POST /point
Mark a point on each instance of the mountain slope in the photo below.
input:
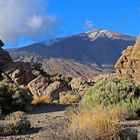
(97, 48)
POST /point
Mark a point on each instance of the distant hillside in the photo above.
(96, 50)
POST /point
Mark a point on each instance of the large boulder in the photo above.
(38, 85)
(47, 86)
(128, 65)
(79, 85)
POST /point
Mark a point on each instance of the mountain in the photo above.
(90, 52)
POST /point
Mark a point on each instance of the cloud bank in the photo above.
(26, 18)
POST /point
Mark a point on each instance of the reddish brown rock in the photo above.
(128, 65)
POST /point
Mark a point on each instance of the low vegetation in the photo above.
(105, 105)
(113, 92)
(37, 100)
(64, 99)
(13, 98)
(69, 98)
(98, 117)
(97, 123)
(15, 123)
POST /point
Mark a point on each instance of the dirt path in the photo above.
(45, 123)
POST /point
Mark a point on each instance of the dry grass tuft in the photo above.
(41, 100)
(97, 123)
(69, 99)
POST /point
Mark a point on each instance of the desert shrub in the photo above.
(113, 92)
(93, 124)
(15, 123)
(44, 99)
(13, 98)
(68, 98)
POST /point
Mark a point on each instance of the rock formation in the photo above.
(19, 72)
(128, 65)
(79, 85)
(53, 85)
(36, 80)
(45, 86)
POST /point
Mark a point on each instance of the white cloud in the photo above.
(35, 22)
(27, 18)
(88, 25)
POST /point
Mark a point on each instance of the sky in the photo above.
(30, 21)
(118, 15)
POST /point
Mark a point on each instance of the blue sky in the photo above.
(118, 15)
(74, 16)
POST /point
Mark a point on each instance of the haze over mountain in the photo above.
(83, 54)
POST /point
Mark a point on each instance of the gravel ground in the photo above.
(46, 123)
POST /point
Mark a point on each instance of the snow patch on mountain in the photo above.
(98, 33)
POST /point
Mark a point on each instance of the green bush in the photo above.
(113, 92)
(13, 98)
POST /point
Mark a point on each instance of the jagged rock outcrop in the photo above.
(128, 65)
